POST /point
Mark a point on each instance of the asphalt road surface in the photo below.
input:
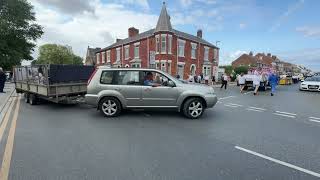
(242, 137)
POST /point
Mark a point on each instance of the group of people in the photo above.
(3, 78)
(256, 81)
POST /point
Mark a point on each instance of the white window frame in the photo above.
(98, 58)
(118, 54)
(163, 42)
(127, 66)
(103, 57)
(136, 46)
(169, 44)
(163, 66)
(136, 65)
(108, 56)
(157, 44)
(126, 52)
(205, 69)
(181, 43)
(206, 53)
(215, 52)
(193, 50)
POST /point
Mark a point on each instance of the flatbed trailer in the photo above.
(55, 83)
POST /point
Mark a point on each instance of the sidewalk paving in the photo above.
(8, 89)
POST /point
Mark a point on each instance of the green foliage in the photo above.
(18, 32)
(227, 69)
(57, 54)
(241, 69)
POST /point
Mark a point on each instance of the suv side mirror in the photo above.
(171, 84)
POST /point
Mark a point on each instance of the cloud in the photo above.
(228, 57)
(142, 3)
(291, 9)
(187, 3)
(309, 57)
(67, 6)
(242, 25)
(309, 31)
(98, 28)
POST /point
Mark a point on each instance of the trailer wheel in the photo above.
(26, 97)
(32, 99)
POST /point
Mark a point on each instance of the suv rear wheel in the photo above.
(110, 107)
(193, 108)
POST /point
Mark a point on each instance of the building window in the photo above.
(169, 44)
(108, 56)
(136, 50)
(127, 65)
(118, 54)
(215, 51)
(181, 44)
(126, 52)
(193, 50)
(136, 65)
(157, 44)
(206, 53)
(103, 57)
(193, 69)
(163, 43)
(206, 70)
(98, 58)
(163, 67)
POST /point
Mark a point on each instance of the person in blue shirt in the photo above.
(148, 80)
(273, 80)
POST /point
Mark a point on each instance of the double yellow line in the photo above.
(5, 165)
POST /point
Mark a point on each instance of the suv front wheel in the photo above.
(110, 107)
(193, 108)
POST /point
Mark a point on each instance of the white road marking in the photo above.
(281, 112)
(257, 110)
(251, 107)
(227, 97)
(278, 161)
(231, 106)
(285, 115)
(248, 92)
(314, 120)
(235, 104)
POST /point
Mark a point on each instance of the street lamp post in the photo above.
(217, 43)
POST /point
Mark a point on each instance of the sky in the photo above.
(289, 29)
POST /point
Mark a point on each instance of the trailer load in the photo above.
(56, 83)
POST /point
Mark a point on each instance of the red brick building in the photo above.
(162, 48)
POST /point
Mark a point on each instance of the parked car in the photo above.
(111, 90)
(311, 84)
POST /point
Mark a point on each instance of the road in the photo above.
(242, 137)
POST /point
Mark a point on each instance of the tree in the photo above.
(57, 54)
(241, 69)
(227, 69)
(18, 32)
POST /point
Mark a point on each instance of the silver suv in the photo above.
(111, 90)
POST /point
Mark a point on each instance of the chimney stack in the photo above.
(133, 32)
(251, 53)
(269, 54)
(199, 33)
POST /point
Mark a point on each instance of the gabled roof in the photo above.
(251, 59)
(193, 38)
(164, 23)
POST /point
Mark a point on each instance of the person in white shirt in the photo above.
(242, 81)
(224, 80)
(256, 83)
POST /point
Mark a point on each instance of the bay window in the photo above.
(181, 44)
(163, 44)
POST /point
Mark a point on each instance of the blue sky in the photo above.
(289, 29)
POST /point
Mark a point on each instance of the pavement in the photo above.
(242, 137)
(4, 97)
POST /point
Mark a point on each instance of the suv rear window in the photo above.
(106, 77)
(127, 78)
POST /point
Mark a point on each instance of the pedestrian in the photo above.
(256, 83)
(190, 79)
(3, 78)
(195, 78)
(199, 78)
(241, 81)
(273, 80)
(213, 79)
(206, 80)
(224, 80)
(178, 76)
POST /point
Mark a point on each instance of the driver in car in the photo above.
(148, 80)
